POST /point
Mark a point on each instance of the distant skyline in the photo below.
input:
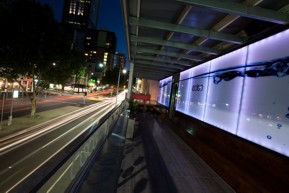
(110, 18)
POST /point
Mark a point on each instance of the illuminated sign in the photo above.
(15, 93)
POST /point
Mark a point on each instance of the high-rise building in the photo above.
(98, 46)
(119, 60)
(106, 44)
(81, 13)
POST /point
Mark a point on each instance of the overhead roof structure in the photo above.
(165, 37)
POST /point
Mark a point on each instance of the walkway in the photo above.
(158, 161)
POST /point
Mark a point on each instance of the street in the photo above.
(25, 152)
(22, 105)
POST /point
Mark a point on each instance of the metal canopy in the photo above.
(165, 37)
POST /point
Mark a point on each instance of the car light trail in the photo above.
(12, 141)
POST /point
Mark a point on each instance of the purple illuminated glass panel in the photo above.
(165, 87)
(266, 92)
(198, 90)
(225, 90)
(247, 92)
(183, 91)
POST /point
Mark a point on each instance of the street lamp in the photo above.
(123, 71)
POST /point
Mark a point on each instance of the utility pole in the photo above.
(2, 112)
(117, 86)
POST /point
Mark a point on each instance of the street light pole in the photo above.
(117, 86)
(85, 88)
(2, 112)
(2, 109)
(11, 110)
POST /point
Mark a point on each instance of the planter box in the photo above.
(130, 128)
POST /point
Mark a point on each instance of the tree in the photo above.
(111, 78)
(67, 61)
(31, 43)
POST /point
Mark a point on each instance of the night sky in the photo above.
(110, 18)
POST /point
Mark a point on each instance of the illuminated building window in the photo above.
(81, 8)
(72, 8)
(75, 23)
(88, 38)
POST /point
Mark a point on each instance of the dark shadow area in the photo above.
(140, 185)
(138, 161)
(127, 172)
(131, 176)
(129, 149)
(160, 179)
(138, 143)
(104, 171)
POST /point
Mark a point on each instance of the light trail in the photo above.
(101, 112)
(10, 142)
(26, 164)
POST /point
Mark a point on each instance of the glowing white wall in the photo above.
(192, 92)
(165, 87)
(184, 91)
(266, 94)
(225, 90)
(198, 92)
(245, 92)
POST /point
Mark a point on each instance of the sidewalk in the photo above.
(158, 161)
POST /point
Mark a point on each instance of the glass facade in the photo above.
(244, 92)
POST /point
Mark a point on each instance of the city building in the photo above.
(99, 50)
(119, 60)
(98, 46)
(81, 13)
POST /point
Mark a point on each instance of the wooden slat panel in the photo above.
(245, 166)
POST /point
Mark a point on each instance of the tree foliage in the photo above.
(31, 42)
(111, 78)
